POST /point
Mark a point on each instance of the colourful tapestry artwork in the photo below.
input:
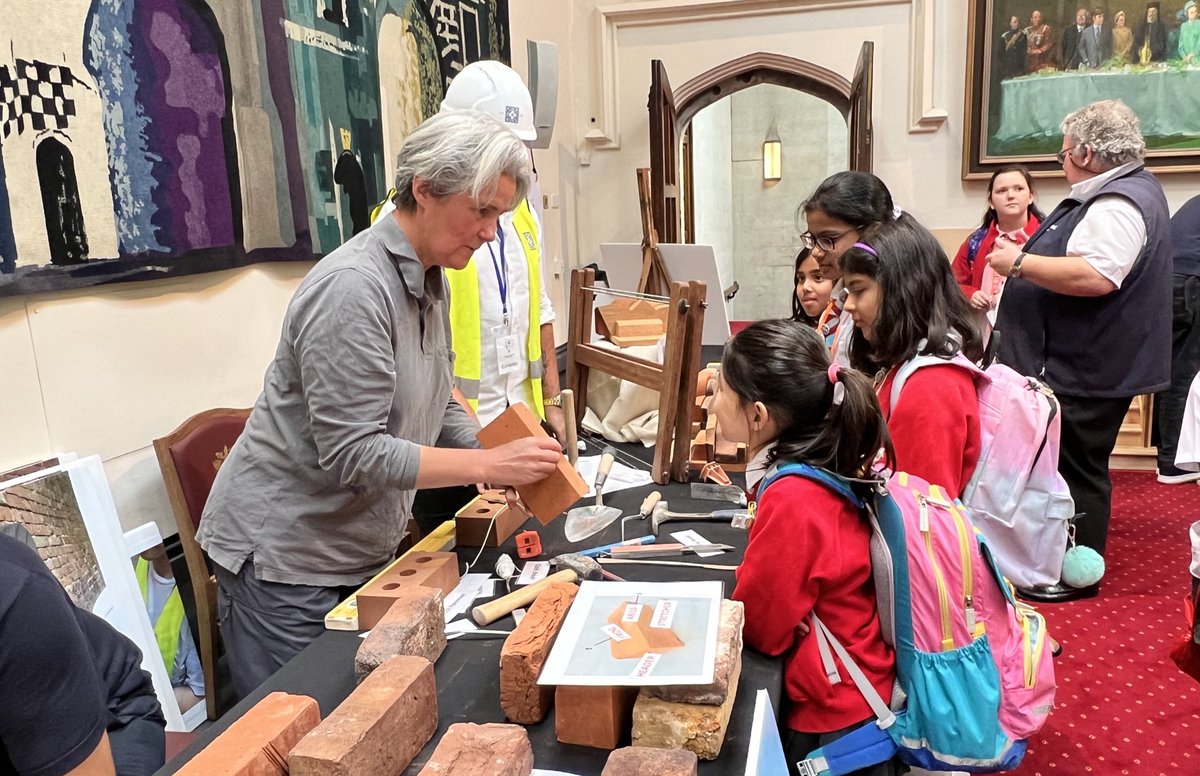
(148, 138)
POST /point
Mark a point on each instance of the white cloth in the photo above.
(1187, 451)
(497, 391)
(1112, 233)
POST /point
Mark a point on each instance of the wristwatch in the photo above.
(1015, 270)
(553, 401)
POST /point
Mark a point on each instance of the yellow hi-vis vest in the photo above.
(166, 630)
(465, 325)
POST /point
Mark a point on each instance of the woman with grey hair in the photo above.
(356, 411)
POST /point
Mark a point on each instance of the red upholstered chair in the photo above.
(189, 458)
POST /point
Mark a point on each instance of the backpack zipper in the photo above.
(943, 595)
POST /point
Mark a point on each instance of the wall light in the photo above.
(772, 156)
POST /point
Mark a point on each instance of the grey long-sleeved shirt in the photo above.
(318, 490)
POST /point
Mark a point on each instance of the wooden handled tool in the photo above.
(488, 613)
(572, 440)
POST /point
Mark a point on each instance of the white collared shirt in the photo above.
(1112, 233)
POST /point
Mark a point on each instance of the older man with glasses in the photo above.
(1087, 306)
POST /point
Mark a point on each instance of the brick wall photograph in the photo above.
(47, 508)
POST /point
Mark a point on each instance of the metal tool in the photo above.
(596, 552)
(707, 491)
(664, 550)
(583, 522)
(644, 510)
(738, 518)
(653, 562)
(576, 568)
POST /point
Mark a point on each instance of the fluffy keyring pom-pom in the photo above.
(1082, 566)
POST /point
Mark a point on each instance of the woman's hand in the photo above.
(981, 301)
(523, 461)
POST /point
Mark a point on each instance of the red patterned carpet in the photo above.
(1122, 706)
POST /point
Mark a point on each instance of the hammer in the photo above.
(662, 514)
(575, 568)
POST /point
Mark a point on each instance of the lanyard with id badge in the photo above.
(508, 354)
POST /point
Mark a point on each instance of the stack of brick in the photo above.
(475, 750)
(414, 625)
(259, 742)
(695, 717)
(525, 652)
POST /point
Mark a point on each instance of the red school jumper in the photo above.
(809, 550)
(970, 278)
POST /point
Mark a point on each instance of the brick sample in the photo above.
(525, 652)
(414, 625)
(547, 498)
(378, 729)
(258, 744)
(642, 637)
(438, 570)
(593, 716)
(650, 761)
(729, 649)
(697, 727)
(471, 523)
(475, 750)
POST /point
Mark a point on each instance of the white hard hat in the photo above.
(496, 89)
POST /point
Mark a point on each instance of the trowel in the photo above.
(583, 522)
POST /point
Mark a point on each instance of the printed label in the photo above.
(646, 665)
(691, 539)
(664, 614)
(615, 632)
(632, 613)
(533, 571)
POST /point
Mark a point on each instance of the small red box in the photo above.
(529, 544)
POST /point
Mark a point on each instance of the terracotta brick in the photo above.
(547, 498)
(593, 716)
(481, 750)
(259, 742)
(729, 648)
(650, 761)
(525, 652)
(438, 570)
(378, 729)
(414, 625)
(697, 727)
(471, 523)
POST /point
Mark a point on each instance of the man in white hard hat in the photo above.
(501, 318)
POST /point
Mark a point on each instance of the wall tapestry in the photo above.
(149, 138)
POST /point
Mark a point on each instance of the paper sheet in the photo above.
(691, 539)
(620, 477)
(470, 587)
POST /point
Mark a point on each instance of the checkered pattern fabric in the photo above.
(33, 95)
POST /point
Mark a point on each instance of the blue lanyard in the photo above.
(501, 268)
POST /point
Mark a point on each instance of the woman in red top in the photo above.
(904, 303)
(1011, 212)
(809, 549)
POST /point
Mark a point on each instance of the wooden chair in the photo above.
(189, 458)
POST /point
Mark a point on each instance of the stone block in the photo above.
(481, 750)
(650, 761)
(729, 650)
(378, 729)
(593, 716)
(525, 652)
(697, 727)
(547, 498)
(414, 625)
(472, 522)
(438, 570)
(258, 744)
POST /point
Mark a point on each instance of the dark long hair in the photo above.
(858, 198)
(989, 215)
(798, 313)
(921, 300)
(785, 365)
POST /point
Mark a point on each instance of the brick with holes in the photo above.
(438, 570)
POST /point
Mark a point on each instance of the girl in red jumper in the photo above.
(809, 547)
(904, 302)
(1011, 212)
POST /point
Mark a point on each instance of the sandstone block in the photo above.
(696, 727)
(729, 650)
(525, 652)
(258, 744)
(438, 570)
(414, 625)
(650, 761)
(593, 716)
(478, 750)
(378, 729)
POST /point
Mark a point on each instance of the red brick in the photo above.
(473, 522)
(378, 729)
(525, 651)
(593, 716)
(259, 742)
(651, 761)
(414, 625)
(547, 498)
(438, 570)
(481, 750)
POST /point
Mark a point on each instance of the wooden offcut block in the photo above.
(468, 749)
(378, 729)
(472, 522)
(547, 498)
(593, 716)
(525, 652)
(438, 570)
(622, 309)
(638, 327)
(634, 341)
(259, 742)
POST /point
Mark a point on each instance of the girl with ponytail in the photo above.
(809, 548)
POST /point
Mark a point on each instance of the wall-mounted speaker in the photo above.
(543, 87)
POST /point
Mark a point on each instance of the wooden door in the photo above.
(860, 110)
(664, 159)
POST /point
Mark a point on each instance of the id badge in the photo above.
(508, 350)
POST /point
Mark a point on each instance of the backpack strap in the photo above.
(916, 362)
(973, 243)
(837, 484)
(826, 642)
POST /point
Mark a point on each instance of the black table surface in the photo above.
(467, 673)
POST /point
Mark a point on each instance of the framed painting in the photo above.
(1032, 62)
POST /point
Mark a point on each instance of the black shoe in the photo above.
(1058, 593)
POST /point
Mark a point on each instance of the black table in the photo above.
(467, 673)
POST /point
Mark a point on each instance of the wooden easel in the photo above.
(655, 279)
(674, 379)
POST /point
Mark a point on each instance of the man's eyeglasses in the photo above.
(825, 242)
(1061, 156)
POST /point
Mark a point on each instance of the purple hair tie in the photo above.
(866, 248)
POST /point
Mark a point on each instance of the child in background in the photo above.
(808, 551)
(903, 300)
(813, 290)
